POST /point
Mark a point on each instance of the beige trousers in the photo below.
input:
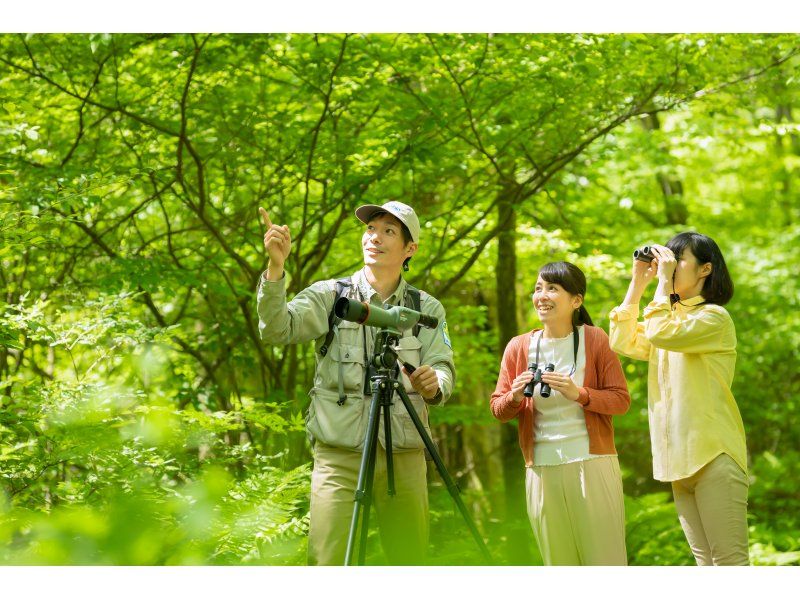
(577, 512)
(712, 508)
(402, 518)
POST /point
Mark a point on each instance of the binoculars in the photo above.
(533, 368)
(644, 254)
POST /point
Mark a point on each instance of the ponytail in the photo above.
(570, 277)
(581, 316)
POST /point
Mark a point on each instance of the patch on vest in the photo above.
(445, 336)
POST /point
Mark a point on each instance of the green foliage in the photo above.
(142, 420)
(653, 535)
(775, 530)
(98, 474)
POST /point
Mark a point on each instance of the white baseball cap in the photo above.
(399, 210)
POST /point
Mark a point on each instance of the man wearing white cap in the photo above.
(340, 398)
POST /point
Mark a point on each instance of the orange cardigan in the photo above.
(604, 392)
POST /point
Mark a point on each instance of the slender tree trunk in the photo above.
(514, 516)
(4, 368)
(783, 113)
(675, 210)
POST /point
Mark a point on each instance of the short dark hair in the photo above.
(718, 286)
(573, 280)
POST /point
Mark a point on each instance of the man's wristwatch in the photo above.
(437, 398)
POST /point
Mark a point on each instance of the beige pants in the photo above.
(402, 518)
(577, 512)
(712, 508)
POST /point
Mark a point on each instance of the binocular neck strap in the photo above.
(576, 341)
(538, 345)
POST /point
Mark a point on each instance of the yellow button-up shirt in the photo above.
(691, 350)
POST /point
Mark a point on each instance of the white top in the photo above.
(560, 434)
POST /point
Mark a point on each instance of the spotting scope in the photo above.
(396, 316)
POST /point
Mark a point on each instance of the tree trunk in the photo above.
(675, 210)
(513, 503)
(783, 113)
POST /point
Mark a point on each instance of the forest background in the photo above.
(143, 422)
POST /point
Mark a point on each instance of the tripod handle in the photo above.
(428, 321)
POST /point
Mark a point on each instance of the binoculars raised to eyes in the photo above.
(644, 254)
(533, 368)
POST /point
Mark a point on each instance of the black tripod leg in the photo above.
(363, 490)
(387, 434)
(452, 487)
(368, 492)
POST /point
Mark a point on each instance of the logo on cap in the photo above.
(404, 213)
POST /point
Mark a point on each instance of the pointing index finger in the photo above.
(265, 217)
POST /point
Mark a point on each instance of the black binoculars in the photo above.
(533, 368)
(644, 254)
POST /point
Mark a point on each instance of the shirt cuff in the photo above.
(281, 281)
(656, 305)
(624, 312)
(583, 396)
(436, 399)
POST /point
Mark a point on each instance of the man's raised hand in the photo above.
(278, 244)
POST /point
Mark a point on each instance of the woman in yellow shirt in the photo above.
(696, 431)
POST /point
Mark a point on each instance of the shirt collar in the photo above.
(366, 291)
(692, 301)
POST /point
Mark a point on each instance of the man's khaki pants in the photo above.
(402, 518)
(712, 508)
(577, 512)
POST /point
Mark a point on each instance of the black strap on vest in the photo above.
(416, 303)
(343, 286)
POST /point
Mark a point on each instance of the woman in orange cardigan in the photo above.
(573, 482)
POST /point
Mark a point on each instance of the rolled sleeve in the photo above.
(627, 335)
(502, 401)
(302, 319)
(707, 330)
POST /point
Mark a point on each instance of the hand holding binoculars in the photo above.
(644, 254)
(533, 368)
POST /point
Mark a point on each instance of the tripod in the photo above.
(384, 384)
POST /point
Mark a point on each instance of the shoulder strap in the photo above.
(342, 288)
(413, 296)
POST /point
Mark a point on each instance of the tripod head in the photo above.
(384, 355)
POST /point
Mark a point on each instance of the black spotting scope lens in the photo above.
(351, 310)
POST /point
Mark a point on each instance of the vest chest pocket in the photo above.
(350, 333)
(351, 358)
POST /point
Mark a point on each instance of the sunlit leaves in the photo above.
(142, 419)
